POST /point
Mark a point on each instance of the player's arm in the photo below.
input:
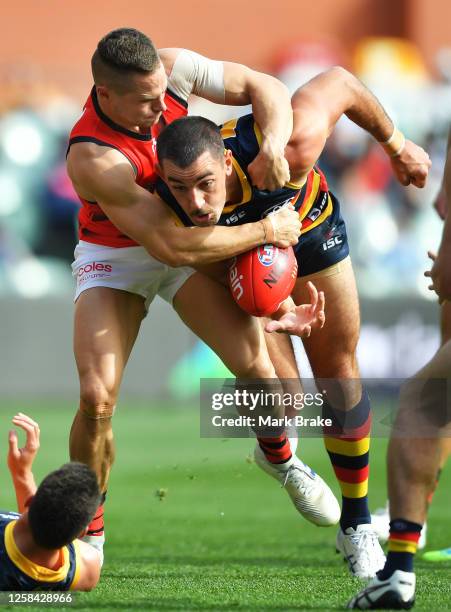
(441, 201)
(319, 104)
(440, 274)
(238, 85)
(103, 175)
(20, 460)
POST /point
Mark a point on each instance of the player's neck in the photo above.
(51, 559)
(234, 190)
(117, 120)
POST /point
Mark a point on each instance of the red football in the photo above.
(261, 279)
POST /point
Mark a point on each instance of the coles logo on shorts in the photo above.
(267, 254)
(94, 268)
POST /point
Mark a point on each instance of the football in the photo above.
(261, 279)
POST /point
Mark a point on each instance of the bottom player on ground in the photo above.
(39, 549)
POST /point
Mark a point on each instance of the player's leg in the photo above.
(413, 459)
(381, 518)
(237, 338)
(107, 322)
(332, 356)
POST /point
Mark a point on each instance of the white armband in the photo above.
(194, 73)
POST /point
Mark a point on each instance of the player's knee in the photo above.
(340, 361)
(96, 400)
(258, 367)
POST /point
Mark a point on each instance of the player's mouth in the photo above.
(203, 219)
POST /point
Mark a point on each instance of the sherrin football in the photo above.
(261, 279)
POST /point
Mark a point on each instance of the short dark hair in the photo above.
(64, 505)
(120, 54)
(185, 139)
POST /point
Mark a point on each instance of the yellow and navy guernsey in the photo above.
(323, 241)
(17, 573)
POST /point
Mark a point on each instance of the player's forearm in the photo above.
(197, 246)
(364, 109)
(271, 106)
(25, 487)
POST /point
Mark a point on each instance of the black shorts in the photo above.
(323, 246)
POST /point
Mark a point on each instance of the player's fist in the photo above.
(283, 227)
(412, 165)
(269, 170)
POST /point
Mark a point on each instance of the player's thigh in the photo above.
(331, 350)
(445, 322)
(425, 399)
(106, 324)
(210, 312)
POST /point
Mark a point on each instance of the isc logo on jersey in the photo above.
(267, 254)
(236, 217)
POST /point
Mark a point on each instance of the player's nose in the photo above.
(159, 105)
(197, 200)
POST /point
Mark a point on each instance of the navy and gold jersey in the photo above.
(242, 136)
(17, 573)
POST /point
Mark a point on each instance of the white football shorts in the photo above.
(131, 269)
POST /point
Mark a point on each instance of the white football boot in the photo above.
(361, 549)
(394, 593)
(380, 521)
(308, 491)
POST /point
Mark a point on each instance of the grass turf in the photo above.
(192, 524)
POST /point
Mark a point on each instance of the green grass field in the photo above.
(220, 535)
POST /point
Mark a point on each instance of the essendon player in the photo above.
(213, 170)
(111, 162)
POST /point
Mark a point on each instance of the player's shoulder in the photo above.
(89, 566)
(7, 516)
(242, 136)
(168, 57)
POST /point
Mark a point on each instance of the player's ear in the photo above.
(228, 161)
(102, 92)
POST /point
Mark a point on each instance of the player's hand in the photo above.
(440, 273)
(302, 319)
(412, 165)
(286, 226)
(440, 203)
(269, 170)
(20, 460)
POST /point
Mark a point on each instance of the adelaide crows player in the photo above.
(207, 183)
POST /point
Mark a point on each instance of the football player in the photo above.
(128, 241)
(207, 182)
(417, 449)
(39, 549)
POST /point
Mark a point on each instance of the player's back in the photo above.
(18, 573)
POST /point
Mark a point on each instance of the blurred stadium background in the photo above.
(198, 549)
(401, 49)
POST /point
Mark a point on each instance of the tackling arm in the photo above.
(105, 176)
(238, 85)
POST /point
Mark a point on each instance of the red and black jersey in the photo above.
(140, 150)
